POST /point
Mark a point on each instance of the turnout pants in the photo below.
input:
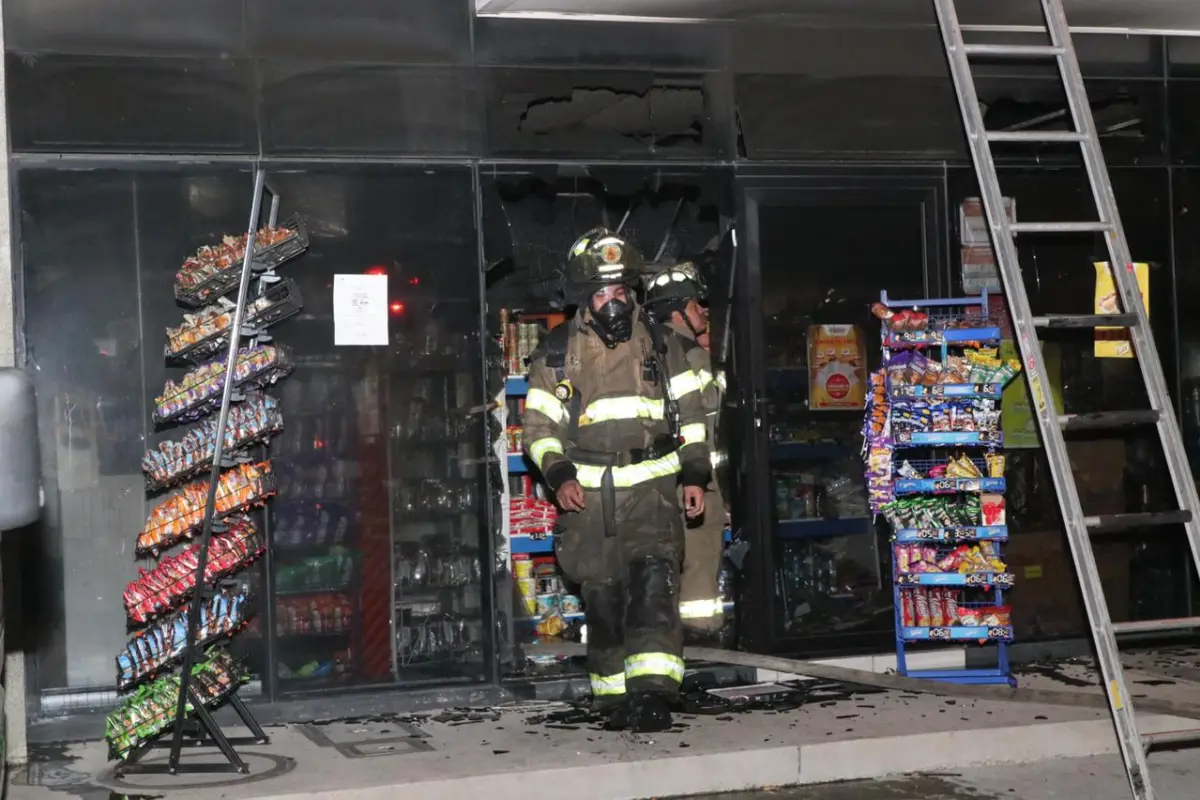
(629, 576)
(700, 603)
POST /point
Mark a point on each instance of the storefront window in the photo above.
(377, 525)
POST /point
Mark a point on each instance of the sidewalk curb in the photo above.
(779, 766)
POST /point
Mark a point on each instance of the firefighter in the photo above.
(615, 422)
(675, 296)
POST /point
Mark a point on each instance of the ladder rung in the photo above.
(1168, 738)
(1107, 420)
(1105, 523)
(1156, 625)
(1060, 227)
(1015, 50)
(1035, 137)
(1086, 321)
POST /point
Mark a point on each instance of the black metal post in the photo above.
(189, 653)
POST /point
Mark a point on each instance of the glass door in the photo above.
(816, 260)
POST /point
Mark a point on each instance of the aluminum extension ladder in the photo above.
(1079, 527)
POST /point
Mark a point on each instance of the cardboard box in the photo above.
(1046, 601)
(972, 222)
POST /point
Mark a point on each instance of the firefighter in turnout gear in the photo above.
(615, 422)
(673, 297)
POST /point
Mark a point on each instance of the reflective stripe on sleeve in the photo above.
(654, 664)
(685, 383)
(695, 433)
(609, 409)
(542, 401)
(719, 379)
(539, 449)
(702, 609)
(589, 477)
(716, 458)
(607, 685)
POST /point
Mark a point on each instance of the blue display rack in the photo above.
(947, 317)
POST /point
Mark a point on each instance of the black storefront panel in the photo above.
(378, 517)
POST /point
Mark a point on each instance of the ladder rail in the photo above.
(1038, 380)
(1125, 279)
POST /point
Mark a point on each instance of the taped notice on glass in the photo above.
(360, 310)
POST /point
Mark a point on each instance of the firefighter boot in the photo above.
(649, 713)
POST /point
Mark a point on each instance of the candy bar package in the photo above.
(176, 460)
(204, 333)
(912, 559)
(159, 645)
(199, 392)
(161, 589)
(151, 709)
(181, 515)
(215, 270)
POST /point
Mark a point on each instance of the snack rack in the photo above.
(936, 472)
(182, 616)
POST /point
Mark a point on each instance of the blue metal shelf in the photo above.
(972, 579)
(807, 451)
(990, 391)
(520, 545)
(991, 533)
(816, 527)
(957, 633)
(947, 439)
(516, 387)
(948, 485)
(536, 619)
(517, 464)
(994, 675)
(937, 338)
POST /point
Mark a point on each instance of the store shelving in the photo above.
(945, 507)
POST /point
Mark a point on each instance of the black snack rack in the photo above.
(206, 680)
(276, 304)
(202, 398)
(261, 260)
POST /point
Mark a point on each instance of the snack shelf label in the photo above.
(957, 633)
(948, 438)
(948, 485)
(976, 391)
(958, 533)
(516, 387)
(952, 336)
(996, 579)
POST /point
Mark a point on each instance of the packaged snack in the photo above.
(950, 604)
(199, 392)
(181, 515)
(992, 509)
(921, 607)
(907, 609)
(937, 609)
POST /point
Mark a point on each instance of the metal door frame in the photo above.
(922, 187)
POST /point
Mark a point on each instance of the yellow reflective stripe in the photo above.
(654, 664)
(546, 403)
(539, 449)
(685, 383)
(716, 458)
(607, 685)
(623, 477)
(702, 609)
(695, 433)
(705, 377)
(609, 409)
(720, 380)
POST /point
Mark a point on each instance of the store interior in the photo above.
(388, 564)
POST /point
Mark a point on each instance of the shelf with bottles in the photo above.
(830, 586)
(818, 502)
(433, 566)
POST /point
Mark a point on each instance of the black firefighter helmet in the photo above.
(670, 288)
(598, 259)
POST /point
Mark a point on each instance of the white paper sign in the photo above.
(360, 310)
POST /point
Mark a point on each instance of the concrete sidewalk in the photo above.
(830, 733)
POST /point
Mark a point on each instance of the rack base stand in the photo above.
(201, 731)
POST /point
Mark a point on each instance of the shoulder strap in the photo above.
(658, 336)
(555, 347)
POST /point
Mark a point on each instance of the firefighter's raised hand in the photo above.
(693, 501)
(570, 496)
